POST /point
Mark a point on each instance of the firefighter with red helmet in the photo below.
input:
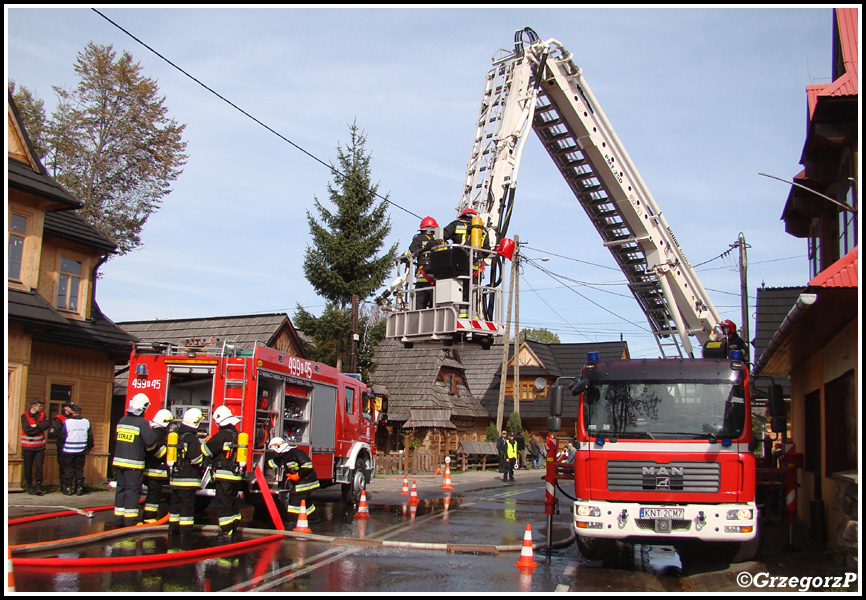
(423, 242)
(133, 437)
(299, 476)
(222, 450)
(734, 341)
(185, 477)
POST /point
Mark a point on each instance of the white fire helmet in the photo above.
(278, 444)
(138, 404)
(223, 416)
(192, 417)
(162, 418)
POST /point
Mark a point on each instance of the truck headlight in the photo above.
(584, 510)
(741, 514)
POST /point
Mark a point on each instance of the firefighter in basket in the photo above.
(299, 476)
(155, 468)
(185, 463)
(222, 450)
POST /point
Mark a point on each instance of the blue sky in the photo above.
(703, 99)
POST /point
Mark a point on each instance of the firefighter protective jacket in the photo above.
(222, 449)
(154, 460)
(188, 469)
(295, 462)
(134, 436)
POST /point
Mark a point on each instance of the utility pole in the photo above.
(744, 292)
(516, 267)
(354, 345)
(500, 410)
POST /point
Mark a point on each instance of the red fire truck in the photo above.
(664, 455)
(330, 415)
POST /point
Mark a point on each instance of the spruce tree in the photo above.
(342, 260)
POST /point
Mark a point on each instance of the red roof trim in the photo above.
(841, 274)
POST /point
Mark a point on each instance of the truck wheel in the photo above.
(352, 490)
(596, 548)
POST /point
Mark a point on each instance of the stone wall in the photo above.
(846, 506)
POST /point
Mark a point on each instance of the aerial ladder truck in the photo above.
(664, 451)
(538, 87)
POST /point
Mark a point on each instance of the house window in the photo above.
(17, 235)
(59, 394)
(840, 425)
(527, 391)
(69, 286)
(847, 219)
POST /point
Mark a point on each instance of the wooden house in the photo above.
(816, 346)
(61, 346)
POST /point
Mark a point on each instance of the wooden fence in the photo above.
(393, 464)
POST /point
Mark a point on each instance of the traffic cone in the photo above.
(526, 561)
(302, 526)
(405, 490)
(10, 577)
(413, 498)
(447, 485)
(362, 507)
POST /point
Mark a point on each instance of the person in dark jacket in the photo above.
(222, 450)
(155, 467)
(299, 476)
(500, 448)
(185, 475)
(34, 425)
(57, 430)
(423, 242)
(521, 450)
(76, 440)
(133, 437)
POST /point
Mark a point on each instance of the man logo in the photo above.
(663, 483)
(669, 471)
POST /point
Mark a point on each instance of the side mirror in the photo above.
(554, 424)
(776, 401)
(556, 400)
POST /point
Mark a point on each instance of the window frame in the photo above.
(83, 284)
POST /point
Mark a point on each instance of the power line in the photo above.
(245, 113)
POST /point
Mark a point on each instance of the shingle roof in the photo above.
(69, 225)
(245, 330)
(410, 374)
(50, 325)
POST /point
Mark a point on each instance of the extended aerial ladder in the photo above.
(538, 86)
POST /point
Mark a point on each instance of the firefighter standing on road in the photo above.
(155, 468)
(222, 449)
(185, 475)
(299, 475)
(134, 436)
(57, 429)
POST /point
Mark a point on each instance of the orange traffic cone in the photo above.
(363, 513)
(302, 526)
(10, 576)
(526, 561)
(447, 485)
(405, 490)
(413, 498)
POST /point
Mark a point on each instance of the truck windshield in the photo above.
(656, 410)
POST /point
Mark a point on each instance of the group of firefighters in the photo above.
(458, 232)
(145, 455)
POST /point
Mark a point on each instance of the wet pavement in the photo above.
(353, 555)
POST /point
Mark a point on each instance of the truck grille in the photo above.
(649, 476)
